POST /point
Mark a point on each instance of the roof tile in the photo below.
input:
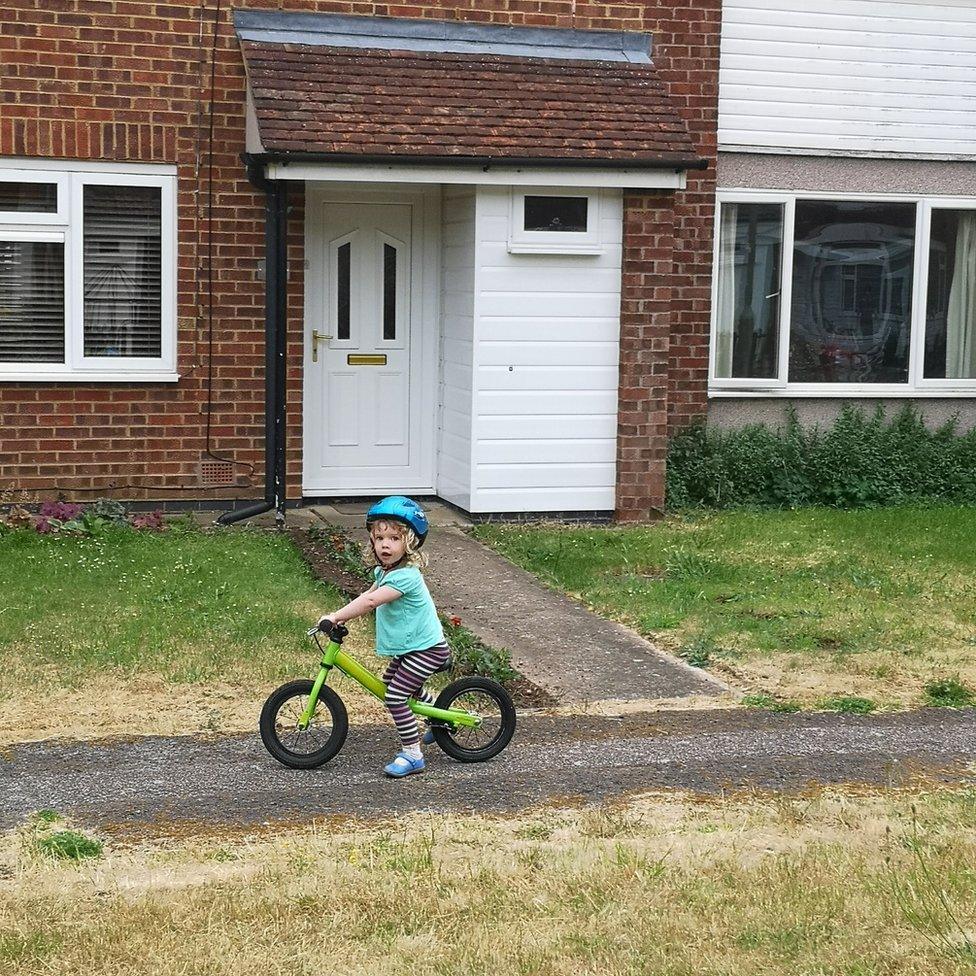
(324, 100)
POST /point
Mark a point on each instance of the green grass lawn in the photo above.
(185, 605)
(810, 603)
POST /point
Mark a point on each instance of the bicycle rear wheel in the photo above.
(487, 699)
(309, 747)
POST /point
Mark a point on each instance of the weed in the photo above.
(686, 564)
(850, 704)
(770, 703)
(47, 816)
(534, 831)
(921, 897)
(698, 651)
(69, 845)
(16, 947)
(948, 693)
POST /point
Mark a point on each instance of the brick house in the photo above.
(313, 250)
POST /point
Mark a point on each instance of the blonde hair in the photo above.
(413, 555)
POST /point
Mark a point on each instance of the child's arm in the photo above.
(365, 603)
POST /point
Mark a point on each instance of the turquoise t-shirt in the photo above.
(409, 623)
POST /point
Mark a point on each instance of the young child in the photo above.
(407, 627)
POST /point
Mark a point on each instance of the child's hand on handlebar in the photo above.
(326, 623)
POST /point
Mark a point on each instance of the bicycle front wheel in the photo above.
(309, 747)
(490, 701)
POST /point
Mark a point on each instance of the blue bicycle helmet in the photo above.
(399, 508)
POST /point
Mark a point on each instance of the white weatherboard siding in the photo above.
(545, 368)
(849, 77)
(457, 329)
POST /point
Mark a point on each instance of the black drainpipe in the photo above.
(275, 320)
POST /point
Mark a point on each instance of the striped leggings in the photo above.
(404, 678)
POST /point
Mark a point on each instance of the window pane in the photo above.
(342, 277)
(950, 307)
(852, 292)
(29, 197)
(749, 258)
(123, 271)
(389, 292)
(31, 302)
(556, 214)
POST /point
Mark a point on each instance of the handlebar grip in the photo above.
(334, 632)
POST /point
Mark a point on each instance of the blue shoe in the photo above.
(428, 739)
(403, 765)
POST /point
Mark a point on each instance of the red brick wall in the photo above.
(645, 348)
(126, 80)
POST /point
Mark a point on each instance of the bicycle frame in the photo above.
(333, 656)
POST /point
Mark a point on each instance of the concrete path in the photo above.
(556, 643)
(159, 785)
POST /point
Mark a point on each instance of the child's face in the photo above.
(389, 542)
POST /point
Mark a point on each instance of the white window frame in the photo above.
(67, 226)
(522, 241)
(917, 385)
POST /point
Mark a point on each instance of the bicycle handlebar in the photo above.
(334, 632)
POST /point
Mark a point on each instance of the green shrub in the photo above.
(862, 459)
(949, 693)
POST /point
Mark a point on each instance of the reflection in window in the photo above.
(28, 197)
(750, 248)
(556, 214)
(950, 313)
(852, 292)
(389, 291)
(342, 291)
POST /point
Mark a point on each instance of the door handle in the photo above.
(318, 337)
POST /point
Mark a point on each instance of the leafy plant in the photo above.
(108, 510)
(949, 693)
(471, 656)
(861, 460)
(148, 521)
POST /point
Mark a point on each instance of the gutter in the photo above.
(676, 161)
(275, 322)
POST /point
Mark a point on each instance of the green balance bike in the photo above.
(304, 723)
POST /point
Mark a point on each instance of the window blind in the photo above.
(31, 302)
(123, 271)
(28, 197)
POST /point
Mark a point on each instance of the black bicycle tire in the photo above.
(443, 736)
(274, 745)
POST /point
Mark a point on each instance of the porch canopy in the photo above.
(368, 93)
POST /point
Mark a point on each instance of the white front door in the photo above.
(365, 404)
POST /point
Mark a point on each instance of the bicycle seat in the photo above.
(446, 666)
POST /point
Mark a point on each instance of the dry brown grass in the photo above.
(663, 885)
(148, 705)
